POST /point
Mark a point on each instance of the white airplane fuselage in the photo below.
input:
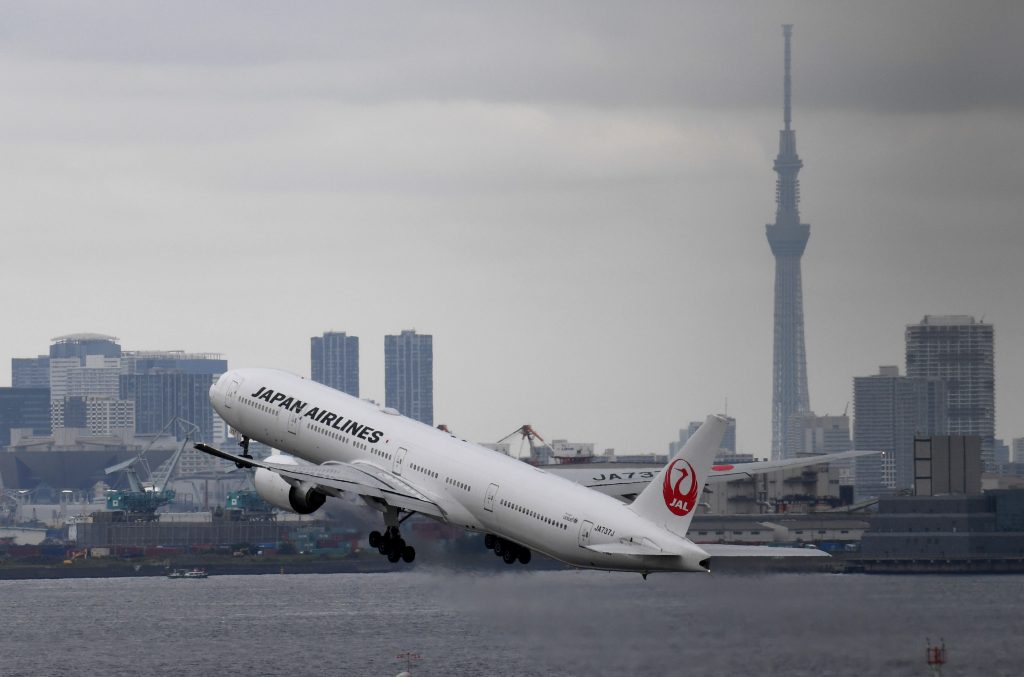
(476, 488)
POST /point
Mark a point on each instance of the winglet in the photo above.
(672, 496)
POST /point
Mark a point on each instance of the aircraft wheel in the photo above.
(525, 556)
(509, 556)
(499, 547)
(398, 545)
(394, 556)
(408, 554)
(375, 539)
(490, 540)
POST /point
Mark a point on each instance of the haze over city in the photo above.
(570, 198)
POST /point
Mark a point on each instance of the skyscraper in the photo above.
(82, 365)
(24, 408)
(163, 384)
(409, 375)
(334, 361)
(810, 434)
(30, 372)
(788, 238)
(961, 352)
(160, 395)
(889, 411)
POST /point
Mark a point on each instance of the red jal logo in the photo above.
(676, 477)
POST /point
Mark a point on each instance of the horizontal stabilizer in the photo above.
(717, 550)
(627, 549)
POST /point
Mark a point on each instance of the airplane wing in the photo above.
(626, 480)
(363, 479)
(722, 550)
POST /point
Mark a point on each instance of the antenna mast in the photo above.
(787, 86)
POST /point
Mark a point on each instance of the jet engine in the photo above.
(272, 488)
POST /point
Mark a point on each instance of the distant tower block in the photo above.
(788, 238)
(409, 375)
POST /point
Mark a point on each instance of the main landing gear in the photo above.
(391, 544)
(508, 551)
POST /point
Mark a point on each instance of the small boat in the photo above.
(196, 573)
(176, 573)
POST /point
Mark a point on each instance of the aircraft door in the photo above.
(229, 398)
(399, 459)
(293, 423)
(492, 491)
(585, 530)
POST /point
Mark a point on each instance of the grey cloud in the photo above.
(902, 57)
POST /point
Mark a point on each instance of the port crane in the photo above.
(528, 434)
(141, 500)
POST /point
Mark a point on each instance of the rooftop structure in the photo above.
(80, 345)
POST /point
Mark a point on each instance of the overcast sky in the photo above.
(571, 197)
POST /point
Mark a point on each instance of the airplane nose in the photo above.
(215, 388)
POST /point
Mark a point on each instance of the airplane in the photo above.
(336, 443)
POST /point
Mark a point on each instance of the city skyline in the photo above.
(579, 222)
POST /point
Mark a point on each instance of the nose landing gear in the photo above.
(245, 450)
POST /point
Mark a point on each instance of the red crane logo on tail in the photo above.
(680, 487)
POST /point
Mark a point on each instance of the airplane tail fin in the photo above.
(671, 498)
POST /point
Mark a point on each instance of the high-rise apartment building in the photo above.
(788, 238)
(409, 375)
(889, 411)
(960, 351)
(334, 361)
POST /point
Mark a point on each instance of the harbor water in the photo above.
(521, 623)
